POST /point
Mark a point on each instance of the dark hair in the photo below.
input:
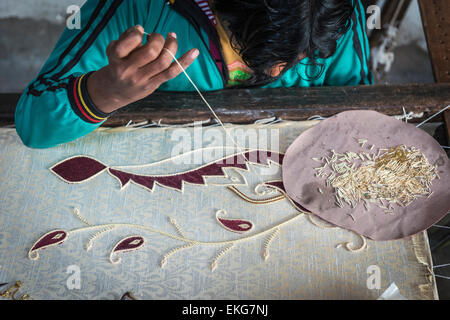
(269, 32)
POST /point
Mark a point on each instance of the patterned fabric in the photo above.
(298, 260)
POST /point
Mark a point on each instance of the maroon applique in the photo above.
(81, 168)
(127, 244)
(130, 243)
(236, 225)
(49, 239)
(78, 169)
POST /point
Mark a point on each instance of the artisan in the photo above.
(110, 62)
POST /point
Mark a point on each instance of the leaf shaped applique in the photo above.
(47, 240)
(196, 176)
(78, 169)
(130, 243)
(235, 225)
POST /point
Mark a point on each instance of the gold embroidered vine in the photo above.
(268, 241)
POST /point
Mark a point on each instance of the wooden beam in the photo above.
(436, 24)
(246, 106)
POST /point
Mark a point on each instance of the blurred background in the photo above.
(29, 30)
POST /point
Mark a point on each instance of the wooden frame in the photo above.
(247, 106)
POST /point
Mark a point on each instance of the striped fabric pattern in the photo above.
(204, 5)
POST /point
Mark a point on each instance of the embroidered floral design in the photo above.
(79, 169)
(135, 242)
(132, 243)
(82, 168)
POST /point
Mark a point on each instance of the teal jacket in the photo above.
(55, 107)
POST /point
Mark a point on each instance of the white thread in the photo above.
(267, 243)
(90, 242)
(350, 245)
(409, 116)
(177, 227)
(220, 255)
(171, 252)
(316, 118)
(78, 214)
(169, 235)
(434, 115)
(442, 265)
(439, 226)
(443, 277)
(185, 154)
(208, 105)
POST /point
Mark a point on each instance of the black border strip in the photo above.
(357, 45)
(78, 37)
(91, 39)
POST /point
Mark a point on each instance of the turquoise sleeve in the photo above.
(48, 112)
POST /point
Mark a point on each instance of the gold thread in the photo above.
(89, 244)
(256, 201)
(223, 252)
(267, 243)
(82, 219)
(349, 246)
(177, 227)
(426, 289)
(174, 250)
(12, 291)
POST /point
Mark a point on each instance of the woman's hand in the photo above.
(135, 70)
